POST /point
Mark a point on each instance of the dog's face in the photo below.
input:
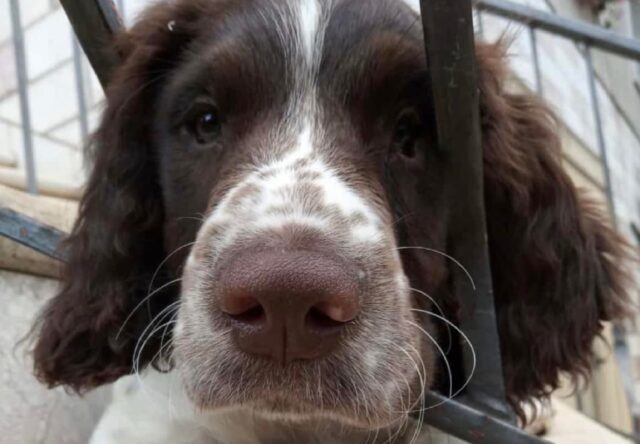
(259, 171)
(289, 158)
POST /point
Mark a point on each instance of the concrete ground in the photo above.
(29, 413)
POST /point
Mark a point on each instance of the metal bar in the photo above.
(602, 145)
(595, 36)
(120, 4)
(474, 426)
(533, 39)
(95, 22)
(31, 233)
(82, 98)
(23, 92)
(636, 232)
(450, 48)
(480, 22)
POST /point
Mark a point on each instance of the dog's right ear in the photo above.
(116, 244)
(559, 269)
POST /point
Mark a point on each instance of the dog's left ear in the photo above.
(88, 333)
(558, 266)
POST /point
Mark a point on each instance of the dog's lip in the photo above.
(295, 414)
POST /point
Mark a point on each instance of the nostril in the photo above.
(244, 309)
(329, 315)
(254, 316)
(318, 319)
(341, 310)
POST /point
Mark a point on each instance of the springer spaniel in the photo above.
(266, 231)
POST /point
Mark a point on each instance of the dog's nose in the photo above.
(289, 305)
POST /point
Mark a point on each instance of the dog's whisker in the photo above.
(444, 357)
(442, 253)
(145, 336)
(421, 376)
(467, 340)
(137, 351)
(163, 346)
(145, 299)
(198, 218)
(164, 261)
(421, 397)
(405, 405)
(449, 340)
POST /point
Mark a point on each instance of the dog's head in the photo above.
(260, 168)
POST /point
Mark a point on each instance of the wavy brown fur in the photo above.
(558, 266)
(116, 243)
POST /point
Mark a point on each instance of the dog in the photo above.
(263, 241)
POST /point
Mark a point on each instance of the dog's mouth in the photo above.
(297, 399)
(365, 394)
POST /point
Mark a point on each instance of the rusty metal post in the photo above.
(95, 22)
(450, 47)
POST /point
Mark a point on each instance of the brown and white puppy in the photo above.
(259, 170)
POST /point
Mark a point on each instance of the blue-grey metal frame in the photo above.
(23, 93)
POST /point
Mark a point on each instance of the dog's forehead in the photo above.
(278, 47)
(308, 29)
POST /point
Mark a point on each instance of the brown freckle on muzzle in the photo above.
(309, 176)
(357, 219)
(246, 192)
(300, 164)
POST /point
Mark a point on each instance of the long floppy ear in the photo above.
(116, 243)
(558, 267)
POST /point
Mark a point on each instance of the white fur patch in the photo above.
(277, 183)
(309, 22)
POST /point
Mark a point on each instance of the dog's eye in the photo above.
(203, 123)
(406, 134)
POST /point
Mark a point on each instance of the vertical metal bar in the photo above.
(536, 60)
(23, 90)
(602, 146)
(450, 50)
(95, 23)
(82, 98)
(480, 22)
(120, 4)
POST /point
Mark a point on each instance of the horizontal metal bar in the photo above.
(31, 233)
(471, 425)
(592, 35)
(95, 23)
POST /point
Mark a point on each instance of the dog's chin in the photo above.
(285, 409)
